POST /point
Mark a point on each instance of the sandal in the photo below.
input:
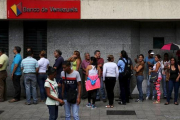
(13, 100)
(156, 102)
(176, 103)
(166, 103)
(109, 106)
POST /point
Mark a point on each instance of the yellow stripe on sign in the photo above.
(14, 9)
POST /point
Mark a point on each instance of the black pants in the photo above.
(92, 95)
(110, 83)
(17, 86)
(124, 88)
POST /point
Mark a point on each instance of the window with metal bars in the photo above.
(4, 36)
(35, 37)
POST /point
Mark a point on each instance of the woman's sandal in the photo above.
(156, 102)
(109, 106)
(176, 103)
(166, 103)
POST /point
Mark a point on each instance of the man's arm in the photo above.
(79, 93)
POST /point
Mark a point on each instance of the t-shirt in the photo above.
(110, 69)
(54, 84)
(43, 63)
(151, 60)
(71, 81)
(100, 61)
(58, 65)
(163, 65)
(29, 65)
(140, 73)
(17, 60)
(4, 60)
(84, 65)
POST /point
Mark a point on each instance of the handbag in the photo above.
(154, 77)
(71, 94)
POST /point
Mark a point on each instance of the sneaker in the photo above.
(147, 98)
(153, 98)
(98, 100)
(88, 105)
(93, 107)
(165, 97)
(138, 100)
(26, 103)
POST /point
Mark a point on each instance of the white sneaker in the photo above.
(147, 98)
(153, 98)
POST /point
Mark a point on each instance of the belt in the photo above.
(42, 73)
(3, 71)
(29, 73)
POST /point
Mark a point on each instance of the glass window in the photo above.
(158, 42)
(35, 36)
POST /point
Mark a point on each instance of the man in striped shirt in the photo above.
(30, 68)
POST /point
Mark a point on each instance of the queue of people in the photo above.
(62, 84)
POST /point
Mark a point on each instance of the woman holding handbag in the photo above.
(93, 74)
(52, 100)
(157, 70)
(173, 80)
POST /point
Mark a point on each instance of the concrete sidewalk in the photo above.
(144, 111)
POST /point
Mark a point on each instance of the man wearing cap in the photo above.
(150, 61)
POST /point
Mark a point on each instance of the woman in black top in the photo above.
(173, 80)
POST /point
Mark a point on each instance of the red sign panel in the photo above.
(43, 9)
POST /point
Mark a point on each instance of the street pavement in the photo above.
(144, 111)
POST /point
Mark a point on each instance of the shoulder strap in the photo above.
(52, 87)
(66, 80)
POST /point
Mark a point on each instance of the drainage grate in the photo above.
(1, 112)
(121, 112)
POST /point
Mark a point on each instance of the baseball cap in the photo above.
(151, 52)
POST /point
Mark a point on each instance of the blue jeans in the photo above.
(175, 85)
(59, 80)
(30, 81)
(41, 80)
(53, 112)
(149, 86)
(139, 86)
(102, 90)
(75, 110)
(164, 85)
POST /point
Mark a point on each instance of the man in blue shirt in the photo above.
(30, 68)
(16, 73)
(150, 61)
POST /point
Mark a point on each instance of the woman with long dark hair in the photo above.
(139, 69)
(93, 74)
(123, 80)
(173, 80)
(157, 69)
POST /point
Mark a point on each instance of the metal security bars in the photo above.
(35, 36)
(4, 36)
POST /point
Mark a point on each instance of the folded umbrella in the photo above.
(171, 46)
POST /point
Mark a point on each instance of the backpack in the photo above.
(127, 70)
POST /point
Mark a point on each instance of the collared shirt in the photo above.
(17, 60)
(100, 61)
(43, 63)
(84, 65)
(121, 65)
(4, 60)
(54, 92)
(29, 65)
(58, 65)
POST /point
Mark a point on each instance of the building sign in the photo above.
(43, 9)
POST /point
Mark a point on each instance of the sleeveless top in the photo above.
(74, 65)
(93, 71)
(159, 71)
(173, 74)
